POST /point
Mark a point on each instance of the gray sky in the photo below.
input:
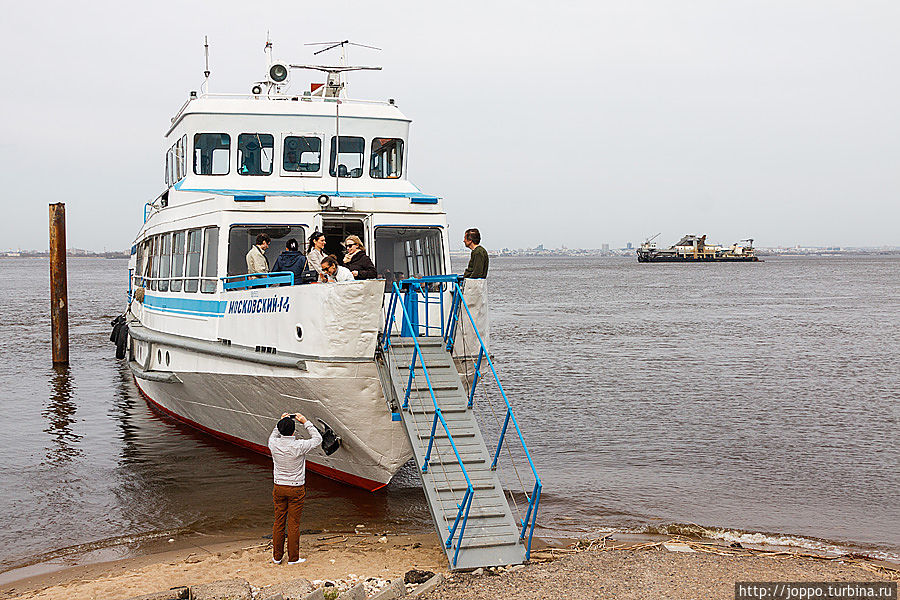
(555, 122)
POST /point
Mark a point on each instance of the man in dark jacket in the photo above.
(291, 260)
(478, 261)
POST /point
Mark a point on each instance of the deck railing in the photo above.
(243, 282)
(416, 292)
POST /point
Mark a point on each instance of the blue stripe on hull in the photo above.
(246, 195)
(187, 306)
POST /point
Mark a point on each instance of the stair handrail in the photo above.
(463, 512)
(483, 353)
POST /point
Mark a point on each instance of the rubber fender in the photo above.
(116, 324)
(122, 341)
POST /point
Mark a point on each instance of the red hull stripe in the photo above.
(355, 480)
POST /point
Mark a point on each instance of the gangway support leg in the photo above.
(500, 441)
(475, 377)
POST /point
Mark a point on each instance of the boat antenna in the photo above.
(334, 78)
(205, 85)
(650, 239)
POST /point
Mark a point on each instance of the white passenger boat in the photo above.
(228, 354)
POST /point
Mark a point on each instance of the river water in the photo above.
(755, 402)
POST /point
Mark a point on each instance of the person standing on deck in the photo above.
(256, 258)
(289, 466)
(291, 260)
(478, 260)
(315, 252)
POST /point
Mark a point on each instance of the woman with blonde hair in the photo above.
(356, 259)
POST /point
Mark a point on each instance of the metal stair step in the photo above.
(475, 514)
(486, 543)
(465, 459)
(461, 487)
(430, 410)
(443, 436)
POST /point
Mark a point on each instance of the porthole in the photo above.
(159, 357)
(167, 358)
(299, 333)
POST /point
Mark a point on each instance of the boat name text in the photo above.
(276, 304)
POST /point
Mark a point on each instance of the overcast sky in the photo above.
(555, 122)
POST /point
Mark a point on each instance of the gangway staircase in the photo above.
(459, 474)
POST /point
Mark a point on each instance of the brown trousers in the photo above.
(288, 506)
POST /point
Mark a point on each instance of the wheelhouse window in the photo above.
(192, 260)
(210, 259)
(255, 153)
(349, 154)
(242, 237)
(302, 154)
(177, 280)
(387, 158)
(211, 151)
(180, 152)
(402, 252)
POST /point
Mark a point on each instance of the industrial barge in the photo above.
(693, 248)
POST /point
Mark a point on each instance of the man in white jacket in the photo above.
(289, 460)
(256, 257)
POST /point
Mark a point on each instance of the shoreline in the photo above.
(358, 555)
(140, 549)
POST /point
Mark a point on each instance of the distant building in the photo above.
(628, 246)
(605, 247)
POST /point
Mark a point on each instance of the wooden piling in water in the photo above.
(59, 293)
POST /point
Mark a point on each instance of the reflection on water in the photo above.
(59, 413)
(649, 394)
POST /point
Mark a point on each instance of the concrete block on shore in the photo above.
(295, 589)
(316, 594)
(179, 593)
(357, 592)
(427, 586)
(395, 589)
(225, 589)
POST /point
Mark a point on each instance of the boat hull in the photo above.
(243, 410)
(643, 257)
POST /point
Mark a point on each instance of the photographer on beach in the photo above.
(289, 465)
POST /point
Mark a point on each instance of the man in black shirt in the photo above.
(478, 261)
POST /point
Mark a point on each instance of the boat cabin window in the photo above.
(176, 283)
(402, 252)
(242, 237)
(192, 260)
(255, 153)
(154, 261)
(302, 154)
(349, 156)
(165, 261)
(387, 158)
(175, 161)
(211, 152)
(210, 260)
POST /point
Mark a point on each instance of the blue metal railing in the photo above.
(462, 514)
(535, 498)
(243, 282)
(448, 332)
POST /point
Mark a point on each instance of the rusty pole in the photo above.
(59, 295)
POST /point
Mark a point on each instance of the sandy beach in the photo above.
(615, 567)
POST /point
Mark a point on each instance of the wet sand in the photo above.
(621, 566)
(330, 556)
